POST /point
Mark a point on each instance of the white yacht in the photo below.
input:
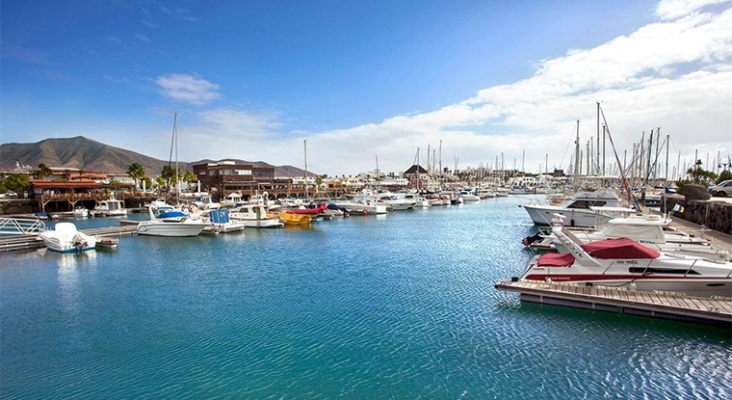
(468, 196)
(363, 206)
(418, 200)
(577, 210)
(171, 223)
(394, 202)
(627, 264)
(109, 208)
(650, 231)
(485, 193)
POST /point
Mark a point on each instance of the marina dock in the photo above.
(674, 306)
(32, 241)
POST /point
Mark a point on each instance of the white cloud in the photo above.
(142, 38)
(675, 74)
(672, 9)
(188, 89)
(165, 10)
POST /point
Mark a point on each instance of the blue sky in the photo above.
(357, 79)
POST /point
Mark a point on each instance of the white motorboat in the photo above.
(360, 206)
(109, 208)
(221, 223)
(468, 196)
(418, 200)
(485, 193)
(65, 238)
(172, 223)
(205, 202)
(652, 231)
(232, 200)
(80, 212)
(394, 202)
(254, 216)
(625, 263)
(577, 210)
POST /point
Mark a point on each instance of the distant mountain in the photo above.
(90, 155)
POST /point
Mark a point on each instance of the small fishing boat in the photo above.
(65, 238)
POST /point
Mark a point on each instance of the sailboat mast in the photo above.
(305, 149)
(440, 160)
(428, 164)
(175, 137)
(577, 156)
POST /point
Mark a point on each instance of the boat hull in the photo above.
(170, 229)
(697, 287)
(543, 215)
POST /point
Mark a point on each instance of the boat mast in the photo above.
(377, 167)
(440, 162)
(305, 149)
(666, 175)
(428, 164)
(577, 156)
(174, 143)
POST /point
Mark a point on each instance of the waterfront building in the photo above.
(229, 176)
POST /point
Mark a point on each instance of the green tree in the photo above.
(159, 182)
(701, 176)
(189, 176)
(43, 172)
(169, 174)
(136, 172)
(18, 183)
(724, 176)
(148, 182)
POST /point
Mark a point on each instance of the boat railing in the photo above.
(20, 226)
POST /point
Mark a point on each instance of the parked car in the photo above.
(721, 189)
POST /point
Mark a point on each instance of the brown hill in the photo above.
(90, 155)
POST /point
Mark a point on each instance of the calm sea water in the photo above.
(396, 306)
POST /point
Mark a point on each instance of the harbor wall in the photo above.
(713, 214)
(18, 206)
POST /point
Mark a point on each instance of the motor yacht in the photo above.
(622, 262)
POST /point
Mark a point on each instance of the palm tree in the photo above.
(189, 177)
(169, 174)
(43, 171)
(136, 171)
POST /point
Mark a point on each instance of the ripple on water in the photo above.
(400, 306)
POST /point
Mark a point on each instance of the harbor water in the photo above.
(394, 306)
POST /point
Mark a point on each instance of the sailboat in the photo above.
(172, 222)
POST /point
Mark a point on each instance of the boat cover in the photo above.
(620, 248)
(555, 260)
(171, 214)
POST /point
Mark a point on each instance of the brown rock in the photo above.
(696, 192)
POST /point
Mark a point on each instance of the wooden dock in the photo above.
(21, 242)
(658, 305)
(30, 242)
